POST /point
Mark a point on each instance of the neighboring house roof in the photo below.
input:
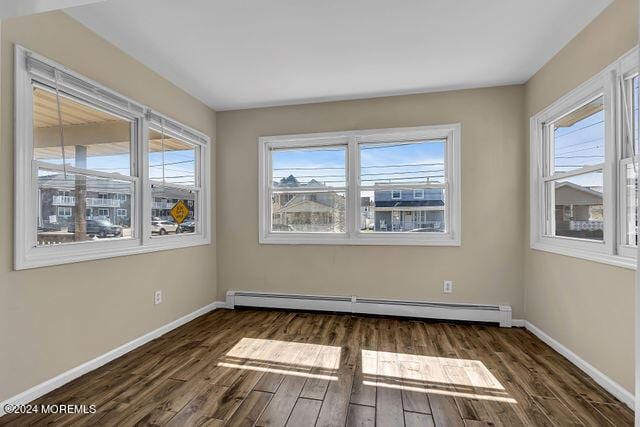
(292, 182)
(568, 193)
(407, 203)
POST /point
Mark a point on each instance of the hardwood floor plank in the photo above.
(415, 419)
(250, 409)
(361, 416)
(389, 410)
(617, 414)
(201, 408)
(363, 390)
(305, 412)
(557, 412)
(278, 410)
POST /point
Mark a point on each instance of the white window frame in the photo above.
(101, 212)
(416, 192)
(352, 141)
(399, 194)
(627, 69)
(608, 251)
(32, 68)
(64, 208)
(120, 214)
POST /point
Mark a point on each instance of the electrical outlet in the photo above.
(447, 287)
(157, 297)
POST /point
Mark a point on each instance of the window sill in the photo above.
(359, 240)
(67, 254)
(615, 260)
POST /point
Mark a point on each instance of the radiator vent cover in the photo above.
(352, 304)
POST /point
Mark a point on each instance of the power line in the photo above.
(361, 167)
(582, 149)
(171, 163)
(579, 157)
(576, 130)
(579, 143)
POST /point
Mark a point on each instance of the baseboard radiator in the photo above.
(500, 314)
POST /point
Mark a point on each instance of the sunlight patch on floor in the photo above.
(286, 353)
(446, 370)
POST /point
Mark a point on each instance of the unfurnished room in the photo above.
(319, 213)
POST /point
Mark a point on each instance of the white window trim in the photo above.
(421, 192)
(27, 254)
(352, 139)
(399, 194)
(64, 208)
(608, 251)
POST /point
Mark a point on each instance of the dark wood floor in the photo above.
(253, 367)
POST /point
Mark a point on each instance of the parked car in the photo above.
(188, 227)
(163, 227)
(99, 227)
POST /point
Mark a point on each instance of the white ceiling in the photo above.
(235, 54)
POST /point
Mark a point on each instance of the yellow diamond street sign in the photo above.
(179, 211)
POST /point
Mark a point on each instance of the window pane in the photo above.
(93, 139)
(171, 160)
(402, 162)
(81, 208)
(579, 209)
(164, 199)
(579, 137)
(382, 211)
(631, 208)
(308, 212)
(309, 168)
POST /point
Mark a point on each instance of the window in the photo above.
(87, 147)
(393, 186)
(173, 165)
(628, 164)
(578, 146)
(64, 212)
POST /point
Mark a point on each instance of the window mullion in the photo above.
(143, 205)
(353, 190)
(610, 194)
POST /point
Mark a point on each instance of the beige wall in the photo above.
(586, 306)
(53, 319)
(486, 269)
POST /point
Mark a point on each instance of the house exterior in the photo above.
(165, 198)
(409, 210)
(579, 211)
(320, 211)
(103, 199)
(366, 213)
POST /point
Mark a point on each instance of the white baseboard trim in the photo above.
(500, 314)
(518, 323)
(605, 382)
(70, 375)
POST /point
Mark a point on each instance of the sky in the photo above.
(390, 163)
